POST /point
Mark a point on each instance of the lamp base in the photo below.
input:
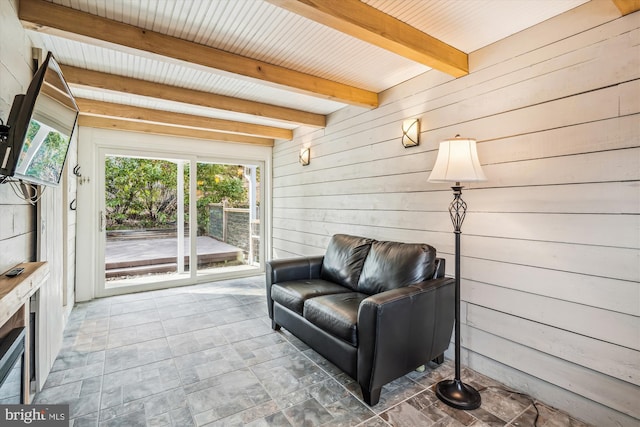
(458, 395)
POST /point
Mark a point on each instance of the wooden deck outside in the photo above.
(159, 255)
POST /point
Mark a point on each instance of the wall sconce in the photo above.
(305, 156)
(411, 132)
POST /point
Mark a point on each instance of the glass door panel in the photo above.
(144, 220)
(228, 235)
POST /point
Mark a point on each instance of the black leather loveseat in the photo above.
(376, 309)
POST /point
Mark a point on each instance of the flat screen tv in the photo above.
(41, 124)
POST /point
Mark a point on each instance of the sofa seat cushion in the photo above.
(336, 314)
(294, 293)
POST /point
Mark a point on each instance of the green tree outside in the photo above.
(141, 193)
(217, 183)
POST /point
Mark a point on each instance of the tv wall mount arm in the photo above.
(4, 132)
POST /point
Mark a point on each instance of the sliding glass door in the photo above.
(157, 214)
(228, 235)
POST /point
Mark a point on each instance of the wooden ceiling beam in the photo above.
(375, 27)
(112, 82)
(114, 123)
(50, 18)
(627, 6)
(89, 107)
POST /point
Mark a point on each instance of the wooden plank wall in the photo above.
(17, 217)
(551, 243)
(20, 231)
(70, 182)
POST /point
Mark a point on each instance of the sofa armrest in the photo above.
(284, 270)
(401, 329)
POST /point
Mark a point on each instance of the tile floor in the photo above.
(206, 355)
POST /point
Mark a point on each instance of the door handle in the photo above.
(101, 220)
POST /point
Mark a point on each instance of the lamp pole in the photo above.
(457, 162)
(454, 392)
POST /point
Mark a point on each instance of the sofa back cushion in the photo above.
(392, 265)
(344, 259)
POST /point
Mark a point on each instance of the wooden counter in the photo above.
(15, 291)
(14, 304)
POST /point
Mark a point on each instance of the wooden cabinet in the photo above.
(15, 293)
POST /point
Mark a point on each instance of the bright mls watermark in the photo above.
(34, 415)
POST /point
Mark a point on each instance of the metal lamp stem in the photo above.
(454, 392)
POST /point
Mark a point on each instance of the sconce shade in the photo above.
(457, 161)
(411, 132)
(305, 156)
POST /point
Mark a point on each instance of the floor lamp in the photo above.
(457, 162)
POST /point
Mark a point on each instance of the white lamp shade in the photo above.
(457, 161)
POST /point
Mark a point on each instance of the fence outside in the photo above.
(234, 226)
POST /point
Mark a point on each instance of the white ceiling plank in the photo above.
(262, 31)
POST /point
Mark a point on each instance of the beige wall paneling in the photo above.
(601, 356)
(20, 225)
(605, 230)
(600, 415)
(50, 318)
(17, 223)
(565, 30)
(606, 391)
(596, 197)
(616, 263)
(551, 243)
(69, 184)
(576, 57)
(17, 234)
(16, 249)
(605, 325)
(616, 295)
